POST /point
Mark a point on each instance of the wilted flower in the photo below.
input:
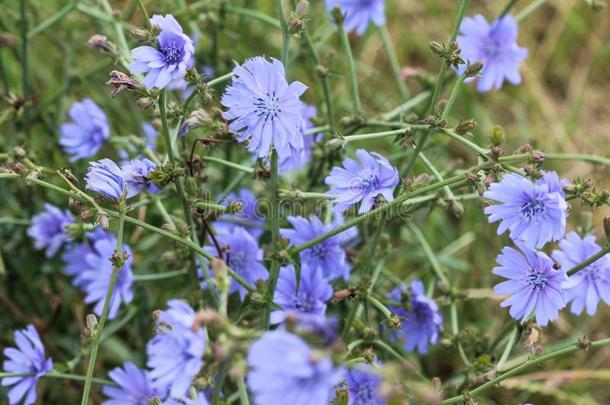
(264, 109)
(134, 386)
(533, 283)
(106, 178)
(243, 255)
(362, 182)
(495, 46)
(306, 297)
(534, 213)
(283, 370)
(27, 358)
(328, 255)
(420, 320)
(175, 356)
(121, 81)
(169, 60)
(83, 137)
(589, 285)
(136, 174)
(359, 14)
(49, 229)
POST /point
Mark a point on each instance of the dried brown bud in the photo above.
(340, 295)
(7, 39)
(121, 81)
(101, 42)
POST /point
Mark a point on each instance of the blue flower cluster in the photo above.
(111, 181)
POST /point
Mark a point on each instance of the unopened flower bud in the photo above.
(338, 15)
(145, 102)
(198, 118)
(465, 126)
(302, 8)
(473, 70)
(91, 322)
(537, 156)
(103, 220)
(101, 42)
(19, 152)
(140, 35)
(336, 143)
(495, 151)
(497, 135)
(155, 401)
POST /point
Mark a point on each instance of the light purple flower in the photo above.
(533, 213)
(134, 386)
(328, 255)
(175, 356)
(495, 46)
(533, 284)
(283, 371)
(83, 137)
(360, 13)
(90, 266)
(364, 386)
(250, 217)
(362, 182)
(136, 174)
(106, 178)
(169, 60)
(589, 285)
(264, 109)
(420, 320)
(307, 297)
(299, 158)
(49, 229)
(243, 255)
(150, 135)
(28, 357)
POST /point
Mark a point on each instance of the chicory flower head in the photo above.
(495, 46)
(364, 386)
(134, 386)
(533, 284)
(27, 358)
(308, 297)
(243, 255)
(175, 354)
(83, 137)
(106, 178)
(362, 182)
(328, 255)
(533, 213)
(49, 229)
(284, 370)
(420, 320)
(589, 285)
(264, 109)
(136, 174)
(169, 60)
(360, 13)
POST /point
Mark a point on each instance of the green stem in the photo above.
(377, 304)
(375, 135)
(436, 267)
(391, 51)
(243, 391)
(507, 9)
(356, 106)
(61, 376)
(253, 14)
(476, 148)
(144, 13)
(275, 235)
(525, 366)
(455, 329)
(53, 20)
(407, 106)
(589, 261)
(232, 165)
(24, 67)
(281, 15)
(159, 276)
(106, 308)
(533, 6)
(509, 347)
(219, 80)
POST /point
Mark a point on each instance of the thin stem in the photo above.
(377, 304)
(533, 6)
(232, 165)
(436, 267)
(61, 376)
(589, 261)
(281, 15)
(476, 148)
(144, 13)
(375, 135)
(23, 22)
(352, 69)
(275, 234)
(219, 80)
(53, 20)
(391, 51)
(106, 308)
(509, 347)
(243, 391)
(507, 9)
(527, 365)
(159, 276)
(253, 14)
(407, 105)
(455, 329)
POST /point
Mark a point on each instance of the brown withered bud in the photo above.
(496, 151)
(302, 8)
(103, 220)
(207, 317)
(86, 215)
(532, 336)
(101, 42)
(584, 343)
(7, 39)
(121, 81)
(341, 295)
(19, 168)
(537, 156)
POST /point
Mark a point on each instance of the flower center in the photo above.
(268, 106)
(492, 49)
(368, 181)
(303, 303)
(592, 271)
(537, 279)
(237, 261)
(363, 394)
(172, 53)
(318, 251)
(532, 209)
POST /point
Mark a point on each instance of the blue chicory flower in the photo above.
(83, 137)
(150, 135)
(420, 320)
(533, 213)
(364, 386)
(264, 109)
(362, 182)
(588, 286)
(495, 46)
(106, 178)
(360, 13)
(134, 386)
(49, 229)
(175, 354)
(90, 266)
(250, 217)
(284, 371)
(307, 297)
(28, 357)
(533, 284)
(327, 255)
(169, 60)
(243, 255)
(136, 174)
(299, 158)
